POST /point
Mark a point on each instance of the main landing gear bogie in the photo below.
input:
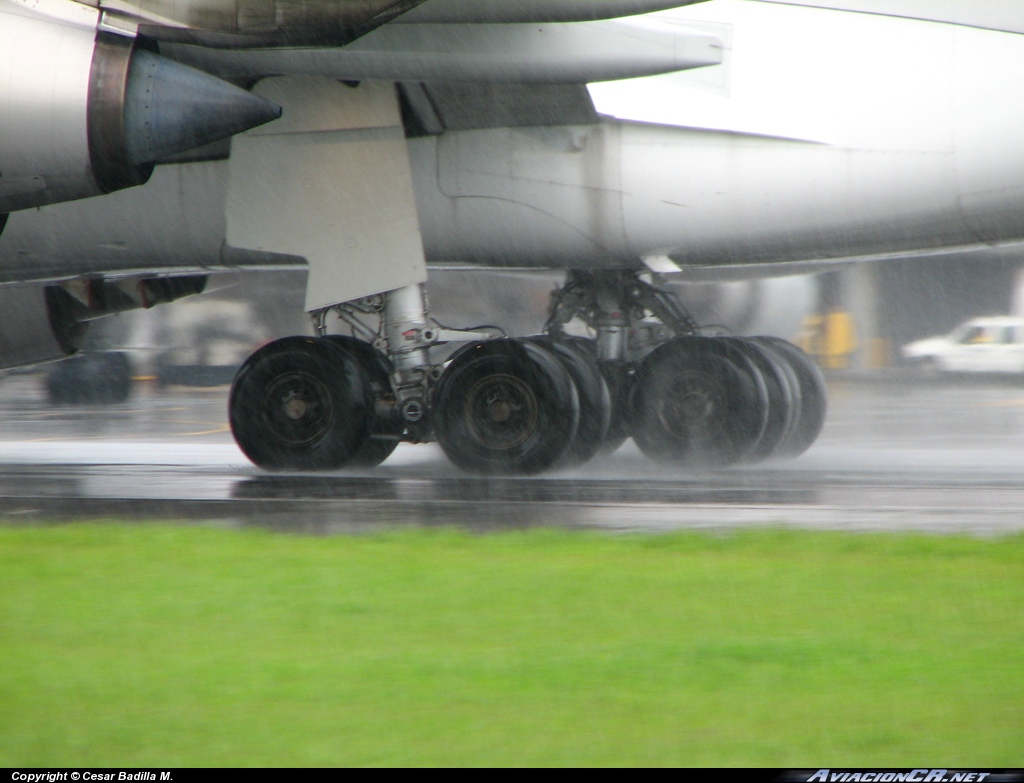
(523, 406)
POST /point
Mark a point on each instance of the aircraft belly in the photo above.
(612, 194)
(987, 126)
(717, 198)
(601, 195)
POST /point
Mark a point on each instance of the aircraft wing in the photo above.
(984, 14)
(459, 76)
(268, 23)
(248, 23)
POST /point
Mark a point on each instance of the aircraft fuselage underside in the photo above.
(602, 196)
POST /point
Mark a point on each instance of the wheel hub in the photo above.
(695, 405)
(691, 406)
(298, 408)
(501, 411)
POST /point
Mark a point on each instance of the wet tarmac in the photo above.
(897, 454)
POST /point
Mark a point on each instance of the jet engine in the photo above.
(35, 327)
(39, 323)
(87, 112)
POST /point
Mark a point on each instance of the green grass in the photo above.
(163, 645)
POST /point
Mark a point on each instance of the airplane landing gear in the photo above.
(687, 399)
(384, 427)
(594, 396)
(523, 406)
(698, 402)
(811, 396)
(506, 406)
(300, 404)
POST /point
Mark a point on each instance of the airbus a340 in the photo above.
(145, 144)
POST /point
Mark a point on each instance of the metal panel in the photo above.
(523, 197)
(439, 107)
(330, 183)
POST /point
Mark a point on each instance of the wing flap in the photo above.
(430, 109)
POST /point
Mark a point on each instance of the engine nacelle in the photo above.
(36, 325)
(40, 323)
(86, 113)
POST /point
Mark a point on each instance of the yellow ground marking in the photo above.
(222, 428)
(87, 410)
(215, 431)
(1017, 402)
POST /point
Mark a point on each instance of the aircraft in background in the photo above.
(145, 144)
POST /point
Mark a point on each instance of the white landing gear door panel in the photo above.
(330, 182)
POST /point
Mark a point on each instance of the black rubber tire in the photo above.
(101, 378)
(505, 407)
(383, 432)
(299, 403)
(783, 396)
(813, 397)
(595, 400)
(698, 403)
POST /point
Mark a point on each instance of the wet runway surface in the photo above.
(895, 455)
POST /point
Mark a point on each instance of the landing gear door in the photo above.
(330, 181)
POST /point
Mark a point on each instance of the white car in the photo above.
(994, 344)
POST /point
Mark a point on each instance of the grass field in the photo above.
(165, 646)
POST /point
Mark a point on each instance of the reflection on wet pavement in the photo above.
(911, 456)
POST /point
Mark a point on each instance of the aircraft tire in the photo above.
(783, 396)
(813, 396)
(505, 407)
(595, 400)
(699, 402)
(299, 403)
(383, 432)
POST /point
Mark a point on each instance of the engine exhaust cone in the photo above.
(172, 108)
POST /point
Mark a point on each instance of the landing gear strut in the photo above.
(527, 405)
